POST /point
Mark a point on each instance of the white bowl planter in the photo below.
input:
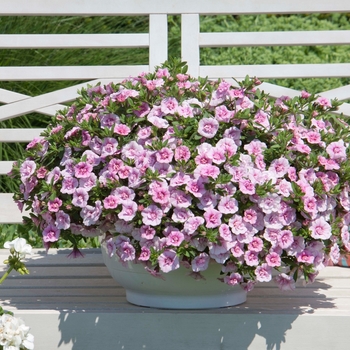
(177, 290)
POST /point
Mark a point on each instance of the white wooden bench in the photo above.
(74, 304)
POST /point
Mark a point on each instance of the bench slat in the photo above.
(334, 37)
(134, 7)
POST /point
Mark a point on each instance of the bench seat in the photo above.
(75, 304)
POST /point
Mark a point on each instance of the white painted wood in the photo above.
(9, 212)
(5, 168)
(10, 97)
(136, 7)
(277, 71)
(52, 98)
(158, 51)
(190, 42)
(60, 295)
(334, 37)
(69, 72)
(19, 135)
(65, 41)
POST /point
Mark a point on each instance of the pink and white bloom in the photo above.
(208, 127)
(212, 218)
(233, 279)
(263, 273)
(336, 150)
(320, 229)
(200, 262)
(151, 215)
(168, 261)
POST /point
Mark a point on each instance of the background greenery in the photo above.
(209, 56)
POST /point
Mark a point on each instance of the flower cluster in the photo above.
(178, 170)
(14, 334)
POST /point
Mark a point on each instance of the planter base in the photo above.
(177, 290)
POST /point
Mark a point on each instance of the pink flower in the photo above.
(273, 259)
(62, 221)
(207, 170)
(255, 147)
(263, 273)
(233, 279)
(305, 256)
(222, 114)
(237, 249)
(262, 118)
(161, 195)
(208, 127)
(200, 262)
(168, 261)
(80, 197)
(109, 146)
(329, 164)
(285, 282)
(122, 129)
(244, 103)
(54, 205)
(310, 204)
(69, 184)
(212, 218)
(82, 170)
(305, 94)
(228, 146)
(147, 232)
(320, 229)
(336, 150)
(251, 258)
(196, 187)
(256, 244)
(181, 215)
(192, 224)
(108, 120)
(164, 155)
(145, 254)
(285, 239)
(152, 215)
(174, 238)
(324, 102)
(313, 137)
(88, 182)
(90, 214)
(225, 232)
(280, 166)
(123, 193)
(182, 153)
(228, 205)
(126, 251)
(51, 233)
(27, 169)
(180, 199)
(169, 105)
(128, 212)
(246, 186)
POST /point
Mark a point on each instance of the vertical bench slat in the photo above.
(190, 42)
(158, 51)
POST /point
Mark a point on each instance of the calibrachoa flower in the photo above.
(185, 171)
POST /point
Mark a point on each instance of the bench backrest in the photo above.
(156, 40)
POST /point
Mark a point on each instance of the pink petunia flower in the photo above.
(208, 127)
(168, 261)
